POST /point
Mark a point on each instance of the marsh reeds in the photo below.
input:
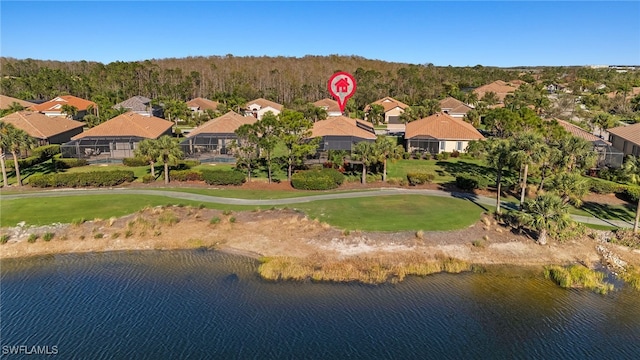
(368, 270)
(577, 277)
(632, 277)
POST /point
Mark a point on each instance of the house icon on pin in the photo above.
(342, 85)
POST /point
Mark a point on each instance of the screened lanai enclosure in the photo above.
(347, 143)
(209, 147)
(425, 145)
(97, 149)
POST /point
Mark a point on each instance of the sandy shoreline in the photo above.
(272, 233)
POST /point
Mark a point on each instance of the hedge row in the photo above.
(181, 165)
(67, 163)
(324, 179)
(94, 178)
(467, 181)
(38, 155)
(600, 186)
(419, 178)
(222, 177)
(185, 175)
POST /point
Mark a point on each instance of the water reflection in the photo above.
(195, 304)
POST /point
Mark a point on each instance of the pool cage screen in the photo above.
(95, 148)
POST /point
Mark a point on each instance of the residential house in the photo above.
(54, 106)
(454, 107)
(200, 105)
(214, 137)
(330, 106)
(44, 129)
(140, 105)
(258, 107)
(116, 138)
(626, 139)
(440, 133)
(499, 87)
(6, 101)
(607, 155)
(342, 133)
(392, 111)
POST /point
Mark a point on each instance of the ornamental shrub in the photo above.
(185, 175)
(63, 163)
(324, 179)
(599, 186)
(135, 161)
(223, 177)
(147, 179)
(419, 178)
(467, 181)
(94, 178)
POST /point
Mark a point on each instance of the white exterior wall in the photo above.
(452, 145)
(264, 110)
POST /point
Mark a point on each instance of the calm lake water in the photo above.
(205, 304)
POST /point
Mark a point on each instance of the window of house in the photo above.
(459, 146)
(442, 145)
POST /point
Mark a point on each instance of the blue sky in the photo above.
(453, 33)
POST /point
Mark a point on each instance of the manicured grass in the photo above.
(395, 213)
(253, 194)
(387, 213)
(600, 227)
(443, 169)
(66, 209)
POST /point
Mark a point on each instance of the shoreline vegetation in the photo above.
(293, 247)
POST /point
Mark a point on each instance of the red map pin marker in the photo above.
(341, 86)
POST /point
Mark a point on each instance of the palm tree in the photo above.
(375, 114)
(498, 152)
(571, 187)
(365, 152)
(147, 150)
(631, 169)
(4, 144)
(18, 140)
(168, 151)
(527, 150)
(69, 110)
(387, 151)
(546, 213)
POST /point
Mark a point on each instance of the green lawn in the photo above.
(65, 209)
(395, 213)
(444, 170)
(253, 194)
(388, 213)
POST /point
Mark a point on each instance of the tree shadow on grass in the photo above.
(608, 212)
(46, 167)
(454, 168)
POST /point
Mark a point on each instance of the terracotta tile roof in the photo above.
(5, 101)
(225, 124)
(388, 103)
(55, 105)
(328, 104)
(442, 126)
(136, 103)
(454, 106)
(343, 126)
(630, 132)
(129, 124)
(203, 104)
(499, 87)
(577, 131)
(40, 126)
(263, 103)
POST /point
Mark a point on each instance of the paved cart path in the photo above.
(483, 200)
